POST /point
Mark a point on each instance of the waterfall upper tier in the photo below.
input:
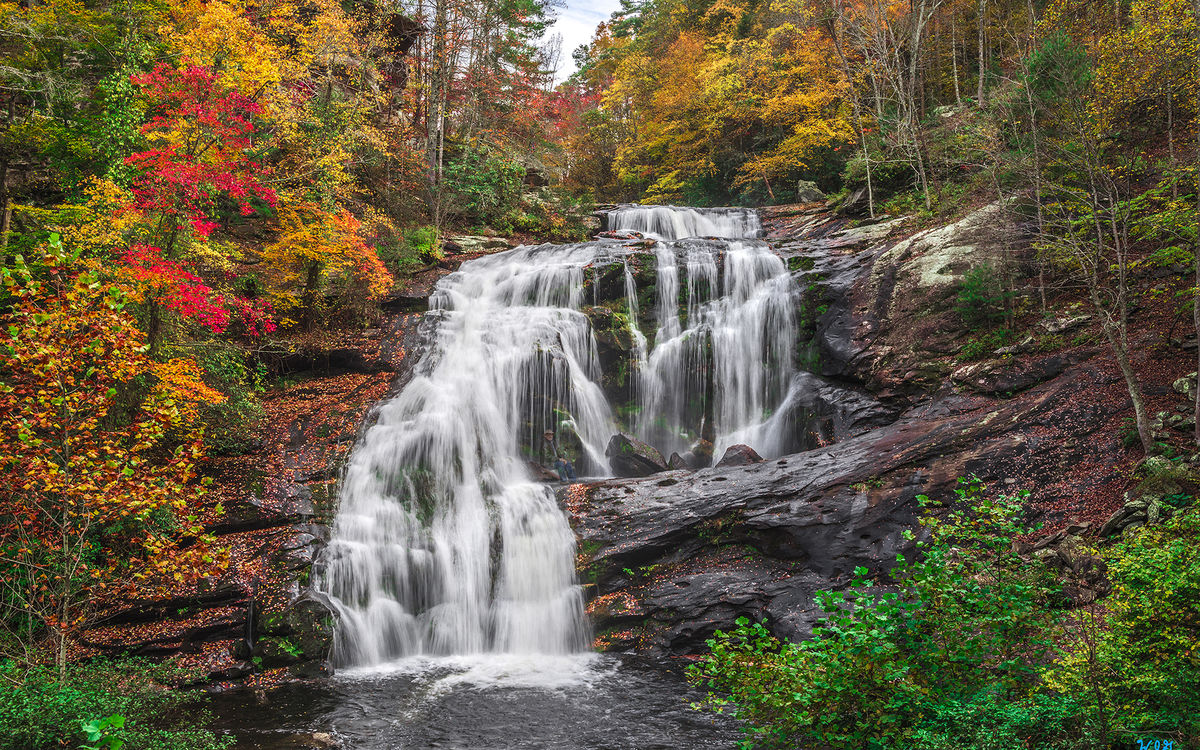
(445, 543)
(675, 223)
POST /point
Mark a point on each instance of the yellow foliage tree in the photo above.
(317, 252)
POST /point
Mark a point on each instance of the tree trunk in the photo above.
(1196, 297)
(954, 60)
(981, 101)
(309, 300)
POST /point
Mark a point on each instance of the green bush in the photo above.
(1141, 671)
(423, 241)
(983, 297)
(970, 649)
(994, 721)
(106, 705)
(485, 185)
(968, 620)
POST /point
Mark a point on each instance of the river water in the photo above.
(461, 621)
(497, 702)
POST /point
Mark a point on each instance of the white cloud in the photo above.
(577, 22)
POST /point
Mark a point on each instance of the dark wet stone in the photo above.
(701, 455)
(739, 455)
(630, 457)
(759, 540)
(1009, 376)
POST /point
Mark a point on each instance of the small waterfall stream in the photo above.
(444, 543)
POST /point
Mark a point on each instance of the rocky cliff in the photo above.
(897, 411)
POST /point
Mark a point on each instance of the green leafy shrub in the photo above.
(485, 185)
(423, 240)
(108, 705)
(1140, 665)
(969, 620)
(102, 734)
(992, 720)
(982, 345)
(970, 648)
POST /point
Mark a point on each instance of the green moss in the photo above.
(798, 263)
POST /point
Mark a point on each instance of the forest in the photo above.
(198, 197)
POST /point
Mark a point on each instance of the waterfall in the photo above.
(444, 542)
(673, 222)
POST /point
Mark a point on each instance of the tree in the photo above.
(203, 135)
(315, 251)
(1088, 208)
(97, 453)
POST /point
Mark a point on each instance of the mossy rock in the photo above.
(274, 651)
(611, 327)
(307, 625)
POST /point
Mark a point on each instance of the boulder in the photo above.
(677, 461)
(277, 652)
(541, 473)
(856, 204)
(474, 244)
(307, 625)
(739, 455)
(1061, 325)
(630, 457)
(1134, 513)
(808, 192)
(1084, 575)
(1186, 386)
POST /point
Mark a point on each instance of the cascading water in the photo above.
(732, 363)
(675, 222)
(445, 544)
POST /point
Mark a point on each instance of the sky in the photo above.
(576, 22)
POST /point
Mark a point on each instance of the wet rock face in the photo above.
(301, 636)
(881, 417)
(670, 558)
(822, 411)
(1005, 377)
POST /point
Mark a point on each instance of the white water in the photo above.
(444, 543)
(674, 222)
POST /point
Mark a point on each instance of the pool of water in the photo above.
(491, 702)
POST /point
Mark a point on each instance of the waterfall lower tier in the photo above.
(445, 543)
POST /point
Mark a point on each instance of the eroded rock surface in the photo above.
(671, 558)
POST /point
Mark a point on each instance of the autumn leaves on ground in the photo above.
(201, 199)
